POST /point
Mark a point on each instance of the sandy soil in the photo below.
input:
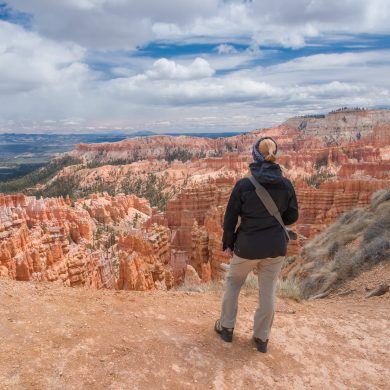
(53, 337)
(367, 280)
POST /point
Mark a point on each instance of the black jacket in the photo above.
(259, 234)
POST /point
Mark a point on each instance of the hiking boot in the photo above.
(225, 333)
(261, 345)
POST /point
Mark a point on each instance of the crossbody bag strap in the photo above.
(268, 203)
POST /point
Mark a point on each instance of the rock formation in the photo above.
(113, 209)
(144, 260)
(49, 240)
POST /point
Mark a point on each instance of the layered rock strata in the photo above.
(144, 260)
(50, 240)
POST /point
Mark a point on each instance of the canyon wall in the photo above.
(341, 125)
(52, 240)
(145, 260)
(46, 240)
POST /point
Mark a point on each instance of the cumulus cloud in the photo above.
(166, 69)
(40, 78)
(292, 84)
(29, 61)
(191, 92)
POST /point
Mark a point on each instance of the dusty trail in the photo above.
(53, 337)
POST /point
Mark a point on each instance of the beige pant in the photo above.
(268, 271)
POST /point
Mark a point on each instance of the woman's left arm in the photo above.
(290, 216)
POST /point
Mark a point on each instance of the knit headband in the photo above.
(257, 156)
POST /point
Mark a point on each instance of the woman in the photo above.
(259, 242)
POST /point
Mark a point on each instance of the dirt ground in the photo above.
(53, 337)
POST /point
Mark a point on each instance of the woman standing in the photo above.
(260, 240)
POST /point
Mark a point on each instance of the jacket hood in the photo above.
(266, 172)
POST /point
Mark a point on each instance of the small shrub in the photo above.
(180, 154)
(332, 250)
(251, 282)
(288, 288)
(344, 263)
(288, 261)
(213, 286)
(379, 197)
(317, 178)
(349, 216)
(320, 162)
(377, 229)
(376, 250)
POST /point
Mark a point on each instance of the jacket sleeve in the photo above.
(290, 216)
(233, 210)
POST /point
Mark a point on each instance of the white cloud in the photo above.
(277, 86)
(167, 69)
(40, 78)
(336, 60)
(110, 24)
(29, 62)
(118, 24)
(223, 48)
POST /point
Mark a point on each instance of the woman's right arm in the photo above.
(233, 210)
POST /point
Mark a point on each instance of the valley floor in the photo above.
(53, 337)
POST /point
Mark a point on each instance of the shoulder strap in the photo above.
(268, 203)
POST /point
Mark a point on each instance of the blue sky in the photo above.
(210, 65)
(11, 15)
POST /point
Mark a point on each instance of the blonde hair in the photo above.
(267, 148)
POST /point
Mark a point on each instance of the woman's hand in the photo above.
(229, 252)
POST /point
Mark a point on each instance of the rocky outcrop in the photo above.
(195, 218)
(141, 148)
(50, 240)
(144, 260)
(46, 240)
(345, 124)
(320, 207)
(108, 209)
(179, 261)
